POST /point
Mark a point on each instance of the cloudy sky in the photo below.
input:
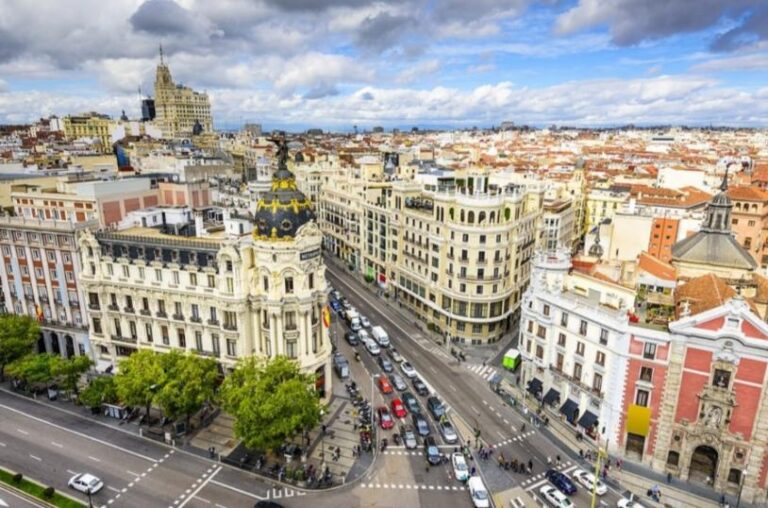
(339, 63)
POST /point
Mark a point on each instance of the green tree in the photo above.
(191, 382)
(271, 400)
(36, 371)
(70, 370)
(101, 390)
(139, 377)
(18, 335)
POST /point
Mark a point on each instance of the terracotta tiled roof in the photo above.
(747, 193)
(656, 267)
(703, 293)
(761, 293)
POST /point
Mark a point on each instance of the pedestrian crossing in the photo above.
(403, 452)
(536, 481)
(484, 371)
(519, 437)
(408, 486)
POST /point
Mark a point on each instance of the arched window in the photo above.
(462, 216)
(507, 213)
(450, 213)
(481, 218)
(471, 217)
(493, 217)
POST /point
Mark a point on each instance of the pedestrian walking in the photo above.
(549, 460)
(581, 454)
(530, 465)
(669, 477)
(557, 460)
(473, 471)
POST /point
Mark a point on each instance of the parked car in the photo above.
(398, 382)
(395, 355)
(561, 481)
(421, 424)
(420, 386)
(384, 385)
(385, 364)
(364, 321)
(409, 437)
(398, 409)
(385, 419)
(85, 482)
(431, 451)
(589, 481)
(448, 432)
(435, 406)
(352, 338)
(372, 347)
(554, 497)
(411, 403)
(460, 469)
(408, 369)
(478, 493)
(336, 295)
(335, 306)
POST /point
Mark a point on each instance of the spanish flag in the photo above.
(327, 317)
(39, 313)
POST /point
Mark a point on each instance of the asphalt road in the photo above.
(8, 499)
(468, 394)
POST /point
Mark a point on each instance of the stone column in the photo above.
(666, 418)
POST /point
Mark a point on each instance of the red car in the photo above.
(398, 409)
(384, 385)
(385, 419)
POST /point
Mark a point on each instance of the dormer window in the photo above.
(732, 322)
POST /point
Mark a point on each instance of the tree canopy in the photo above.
(190, 383)
(271, 400)
(100, 390)
(139, 377)
(18, 335)
(69, 371)
(36, 371)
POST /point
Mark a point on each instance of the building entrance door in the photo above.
(703, 465)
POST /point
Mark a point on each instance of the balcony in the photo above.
(127, 340)
(145, 312)
(129, 310)
(113, 307)
(232, 327)
(161, 314)
(213, 322)
(211, 354)
(178, 317)
(94, 306)
(43, 298)
(74, 302)
(196, 319)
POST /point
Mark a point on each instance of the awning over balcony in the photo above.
(588, 420)
(535, 386)
(552, 397)
(570, 410)
(638, 420)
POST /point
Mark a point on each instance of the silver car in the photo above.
(364, 321)
(408, 369)
(398, 382)
(448, 433)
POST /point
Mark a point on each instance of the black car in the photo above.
(431, 451)
(352, 338)
(561, 481)
(421, 424)
(385, 364)
(419, 386)
(411, 403)
(435, 407)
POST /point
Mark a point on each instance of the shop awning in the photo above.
(638, 420)
(588, 420)
(552, 397)
(569, 409)
(535, 386)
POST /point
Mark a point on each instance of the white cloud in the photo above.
(749, 62)
(417, 71)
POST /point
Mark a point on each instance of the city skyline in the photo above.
(335, 64)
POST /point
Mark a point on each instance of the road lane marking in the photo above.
(432, 369)
(91, 438)
(453, 388)
(36, 457)
(113, 489)
(57, 445)
(22, 432)
(204, 500)
(131, 472)
(94, 458)
(202, 485)
(70, 471)
(220, 505)
(473, 408)
(2, 445)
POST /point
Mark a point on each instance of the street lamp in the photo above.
(90, 501)
(741, 486)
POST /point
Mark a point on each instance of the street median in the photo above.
(40, 494)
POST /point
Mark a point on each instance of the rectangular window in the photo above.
(158, 275)
(230, 320)
(110, 269)
(541, 332)
(600, 358)
(132, 329)
(214, 316)
(97, 325)
(231, 347)
(265, 283)
(148, 331)
(211, 281)
(290, 320)
(195, 311)
(126, 272)
(182, 337)
(583, 327)
(142, 273)
(649, 351)
(546, 310)
(290, 348)
(580, 348)
(199, 340)
(641, 399)
(118, 328)
(288, 285)
(230, 285)
(193, 279)
(177, 310)
(311, 281)
(564, 319)
(577, 371)
(646, 374)
(165, 335)
(561, 340)
(603, 336)
(559, 361)
(215, 344)
(597, 382)
(539, 352)
(175, 276)
(530, 326)
(145, 303)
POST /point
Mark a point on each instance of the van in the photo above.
(341, 366)
(511, 359)
(380, 335)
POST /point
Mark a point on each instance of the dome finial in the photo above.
(724, 185)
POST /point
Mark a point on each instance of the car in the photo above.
(408, 370)
(554, 497)
(628, 503)
(460, 468)
(352, 338)
(420, 386)
(385, 364)
(448, 432)
(86, 482)
(345, 305)
(372, 347)
(409, 437)
(398, 382)
(561, 481)
(411, 403)
(589, 481)
(478, 493)
(398, 409)
(336, 295)
(364, 335)
(395, 355)
(421, 424)
(384, 385)
(385, 419)
(434, 406)
(364, 322)
(335, 306)
(431, 451)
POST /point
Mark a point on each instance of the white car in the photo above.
(408, 369)
(364, 336)
(478, 492)
(85, 482)
(628, 503)
(372, 347)
(554, 497)
(588, 480)
(460, 469)
(364, 321)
